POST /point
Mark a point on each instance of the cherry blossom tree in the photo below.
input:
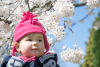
(49, 14)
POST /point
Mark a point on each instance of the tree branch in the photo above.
(89, 13)
(9, 3)
(6, 21)
(79, 5)
(14, 9)
(27, 2)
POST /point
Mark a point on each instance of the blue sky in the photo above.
(81, 32)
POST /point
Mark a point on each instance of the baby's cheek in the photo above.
(24, 50)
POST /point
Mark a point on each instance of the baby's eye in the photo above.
(39, 40)
(29, 39)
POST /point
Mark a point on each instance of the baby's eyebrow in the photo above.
(39, 37)
(36, 36)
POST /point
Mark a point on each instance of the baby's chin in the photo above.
(34, 55)
(37, 54)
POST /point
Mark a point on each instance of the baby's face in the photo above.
(32, 45)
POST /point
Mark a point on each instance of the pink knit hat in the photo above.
(28, 25)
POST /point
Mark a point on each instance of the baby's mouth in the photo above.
(34, 48)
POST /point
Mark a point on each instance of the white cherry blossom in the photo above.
(72, 55)
(93, 3)
(64, 8)
(83, 1)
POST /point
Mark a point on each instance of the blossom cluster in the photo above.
(39, 2)
(52, 26)
(72, 55)
(91, 3)
(64, 8)
(10, 10)
(83, 1)
(50, 40)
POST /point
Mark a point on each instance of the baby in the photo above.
(31, 42)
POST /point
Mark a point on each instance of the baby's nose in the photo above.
(34, 43)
